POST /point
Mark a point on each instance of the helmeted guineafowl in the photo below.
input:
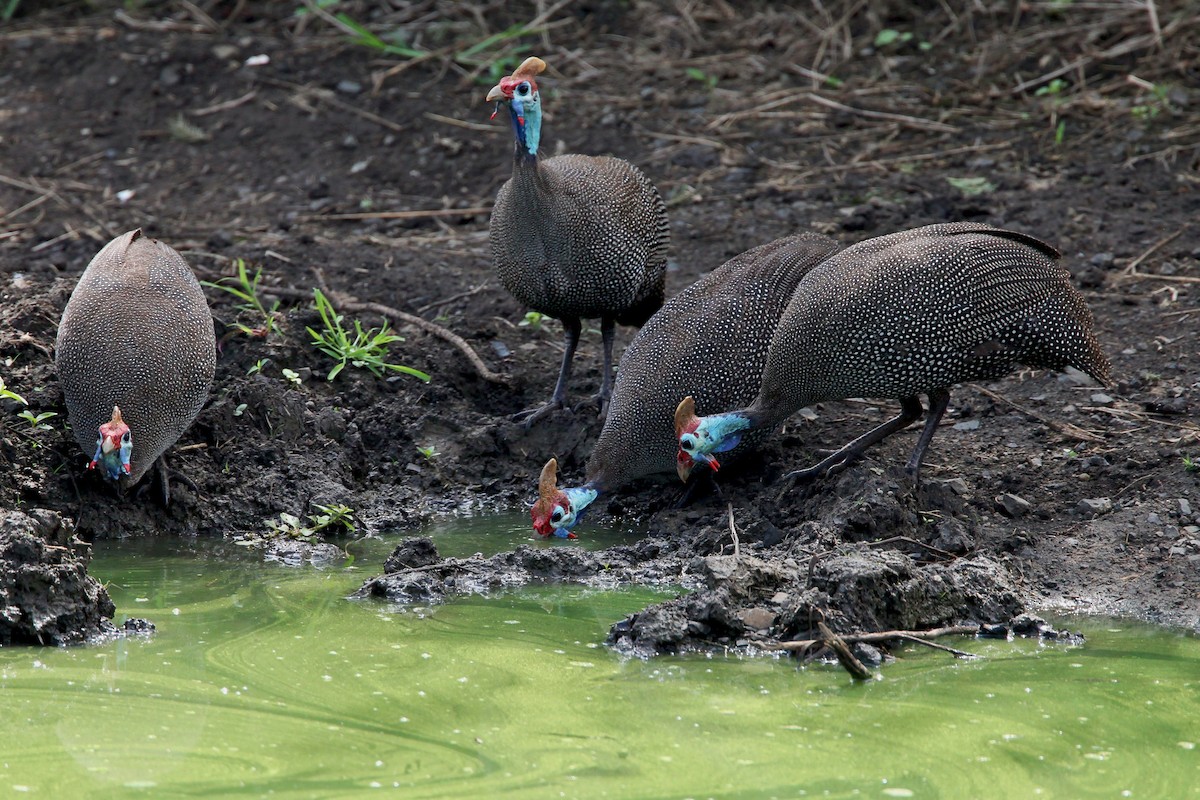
(135, 355)
(710, 341)
(575, 237)
(909, 314)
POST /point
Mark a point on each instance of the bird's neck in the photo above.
(528, 130)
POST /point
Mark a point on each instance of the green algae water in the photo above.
(263, 681)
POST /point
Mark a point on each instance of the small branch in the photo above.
(917, 637)
(448, 300)
(1132, 268)
(1065, 428)
(847, 659)
(733, 534)
(903, 119)
(228, 104)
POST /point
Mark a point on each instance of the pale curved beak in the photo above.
(496, 94)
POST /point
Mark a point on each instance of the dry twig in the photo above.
(1065, 428)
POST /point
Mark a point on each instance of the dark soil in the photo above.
(1079, 126)
(46, 595)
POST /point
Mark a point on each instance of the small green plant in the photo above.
(333, 516)
(972, 187)
(702, 77)
(245, 288)
(1053, 88)
(1155, 105)
(258, 366)
(532, 320)
(1060, 133)
(890, 36)
(37, 422)
(429, 452)
(291, 376)
(330, 516)
(289, 525)
(366, 349)
(1191, 464)
(9, 394)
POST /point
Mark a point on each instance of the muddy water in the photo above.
(263, 681)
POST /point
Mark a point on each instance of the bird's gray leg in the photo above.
(164, 480)
(939, 399)
(910, 410)
(571, 330)
(608, 329)
(165, 474)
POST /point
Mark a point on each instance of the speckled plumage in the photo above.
(137, 333)
(574, 236)
(711, 341)
(914, 313)
(581, 237)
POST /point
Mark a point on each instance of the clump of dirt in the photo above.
(245, 131)
(46, 595)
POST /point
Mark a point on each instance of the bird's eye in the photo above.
(687, 443)
(557, 515)
(523, 89)
(125, 438)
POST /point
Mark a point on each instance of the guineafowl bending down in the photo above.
(135, 355)
(710, 341)
(909, 314)
(575, 237)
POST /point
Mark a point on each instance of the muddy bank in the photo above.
(46, 595)
(320, 161)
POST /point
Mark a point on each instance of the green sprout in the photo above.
(1191, 464)
(532, 320)
(332, 516)
(9, 394)
(430, 452)
(245, 288)
(292, 376)
(1060, 133)
(1053, 88)
(700, 76)
(1155, 105)
(258, 366)
(366, 349)
(890, 36)
(37, 422)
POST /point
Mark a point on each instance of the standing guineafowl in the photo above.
(135, 355)
(711, 341)
(909, 314)
(575, 237)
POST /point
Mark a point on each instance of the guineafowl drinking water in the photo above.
(135, 355)
(710, 341)
(909, 314)
(575, 237)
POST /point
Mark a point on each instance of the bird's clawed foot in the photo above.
(829, 466)
(600, 400)
(532, 415)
